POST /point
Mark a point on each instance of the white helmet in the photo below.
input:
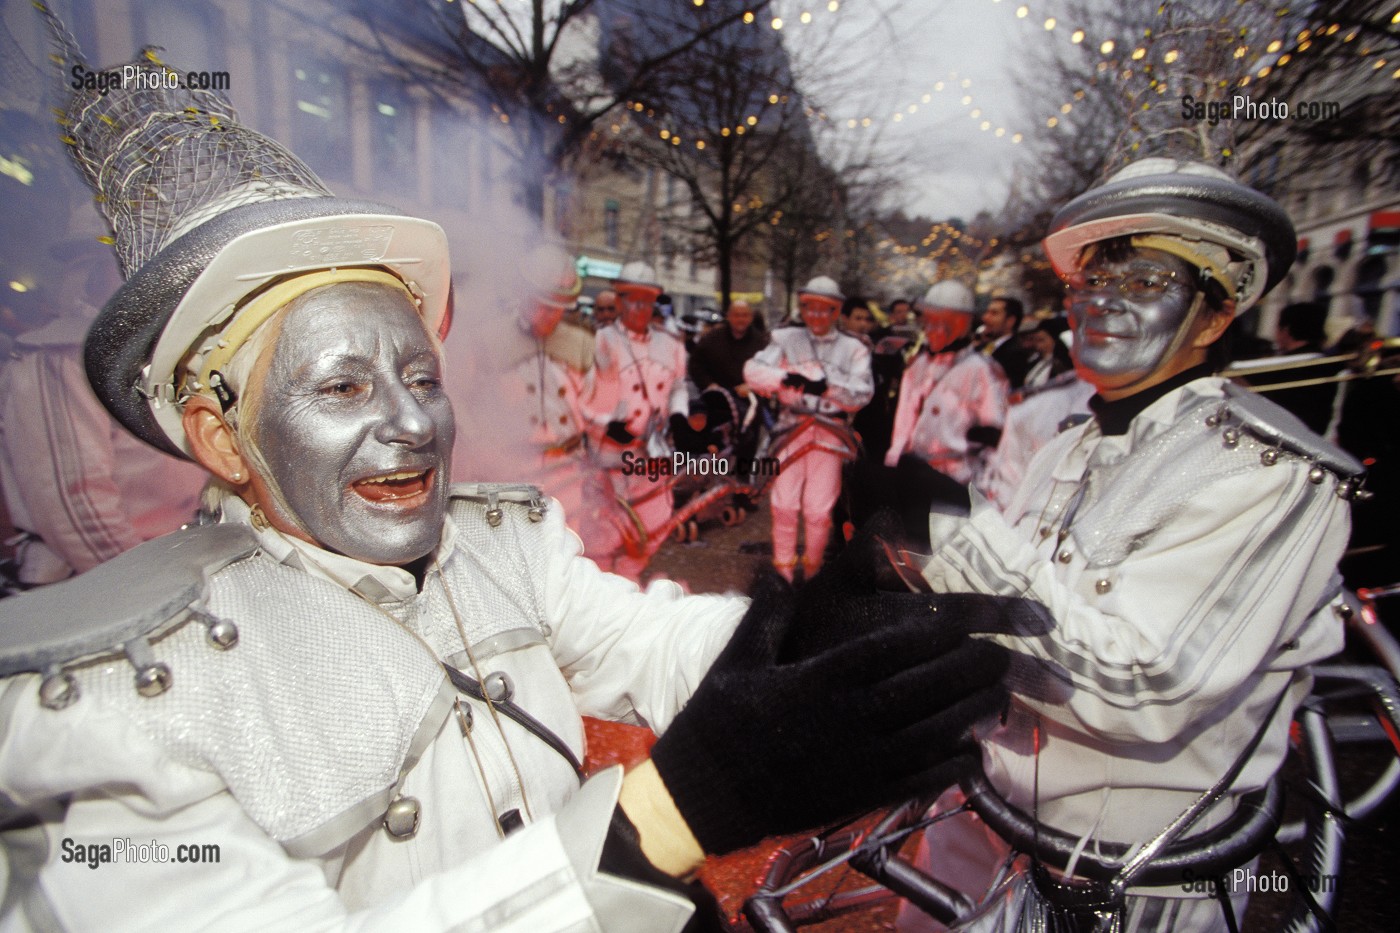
(638, 273)
(823, 285)
(1236, 236)
(549, 270)
(948, 295)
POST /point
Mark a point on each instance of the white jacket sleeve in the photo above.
(851, 387)
(679, 402)
(60, 439)
(1234, 586)
(765, 371)
(913, 389)
(629, 655)
(207, 866)
(992, 390)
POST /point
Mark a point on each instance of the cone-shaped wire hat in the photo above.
(205, 212)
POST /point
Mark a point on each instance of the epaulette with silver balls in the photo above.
(118, 608)
(1246, 413)
(493, 494)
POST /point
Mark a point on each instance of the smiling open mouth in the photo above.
(395, 487)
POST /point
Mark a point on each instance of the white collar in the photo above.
(373, 581)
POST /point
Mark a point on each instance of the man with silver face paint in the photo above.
(1185, 539)
(359, 399)
(355, 702)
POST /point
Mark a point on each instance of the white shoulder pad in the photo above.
(1275, 425)
(118, 602)
(493, 494)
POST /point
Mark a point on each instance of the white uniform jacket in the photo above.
(1031, 424)
(640, 380)
(1189, 568)
(941, 397)
(286, 751)
(840, 359)
(70, 474)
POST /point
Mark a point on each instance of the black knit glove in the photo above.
(861, 591)
(766, 747)
(816, 387)
(617, 431)
(795, 381)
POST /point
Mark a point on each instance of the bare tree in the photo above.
(724, 117)
(1166, 80)
(549, 70)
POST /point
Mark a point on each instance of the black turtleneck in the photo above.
(1114, 417)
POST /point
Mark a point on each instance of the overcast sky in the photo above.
(905, 48)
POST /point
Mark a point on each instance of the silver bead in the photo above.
(1064, 556)
(403, 817)
(1102, 586)
(154, 680)
(464, 716)
(1212, 420)
(1316, 475)
(1045, 532)
(222, 634)
(1269, 457)
(1343, 610)
(494, 516)
(1349, 488)
(536, 513)
(58, 691)
(1231, 436)
(499, 687)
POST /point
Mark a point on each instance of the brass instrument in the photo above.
(1378, 358)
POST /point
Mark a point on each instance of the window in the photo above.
(454, 152)
(611, 235)
(185, 31)
(394, 140)
(563, 204)
(321, 122)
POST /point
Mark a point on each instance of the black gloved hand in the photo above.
(680, 426)
(795, 381)
(617, 431)
(816, 387)
(861, 591)
(766, 747)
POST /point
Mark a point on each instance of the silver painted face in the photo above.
(354, 424)
(1127, 314)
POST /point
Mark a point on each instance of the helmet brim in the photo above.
(145, 331)
(1215, 210)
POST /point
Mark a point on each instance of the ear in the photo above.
(212, 442)
(1213, 325)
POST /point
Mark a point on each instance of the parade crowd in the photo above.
(254, 605)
